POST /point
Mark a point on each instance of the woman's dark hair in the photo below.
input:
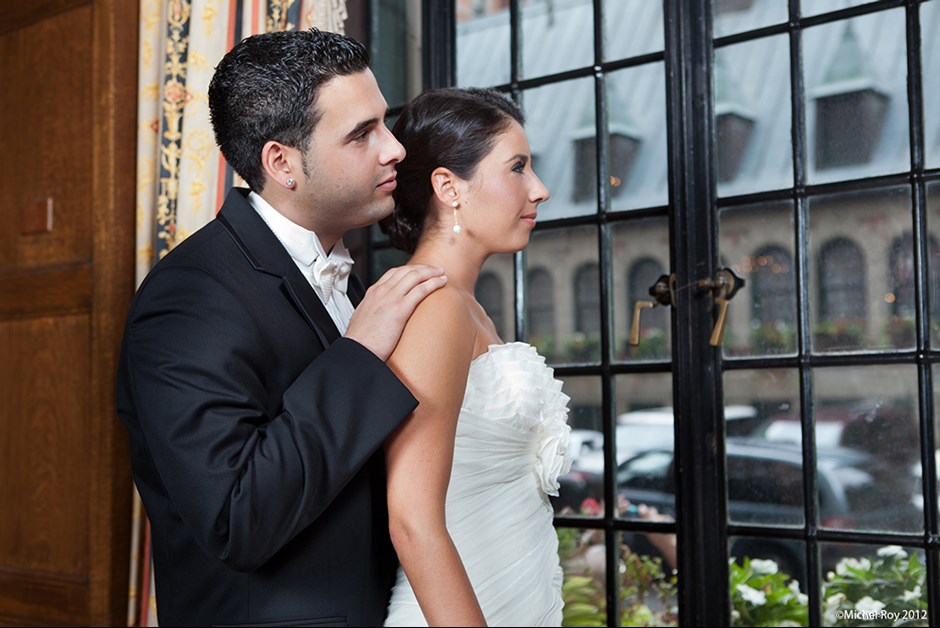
(450, 127)
(265, 88)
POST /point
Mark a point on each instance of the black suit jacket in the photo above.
(256, 436)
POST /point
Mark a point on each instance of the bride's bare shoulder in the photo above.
(440, 334)
(445, 304)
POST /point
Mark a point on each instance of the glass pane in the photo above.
(868, 444)
(644, 415)
(640, 251)
(648, 580)
(644, 432)
(737, 16)
(933, 259)
(396, 50)
(765, 484)
(930, 60)
(868, 585)
(495, 290)
(482, 44)
(752, 111)
(856, 97)
(644, 423)
(569, 258)
(767, 577)
(583, 559)
(648, 586)
(582, 489)
(815, 7)
(559, 139)
(636, 130)
(556, 36)
(918, 488)
(632, 27)
(861, 270)
(383, 259)
(756, 242)
(755, 400)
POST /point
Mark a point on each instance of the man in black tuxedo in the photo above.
(256, 401)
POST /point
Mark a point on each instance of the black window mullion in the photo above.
(701, 510)
(801, 207)
(439, 38)
(922, 296)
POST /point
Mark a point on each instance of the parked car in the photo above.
(885, 429)
(574, 487)
(585, 442)
(652, 428)
(765, 486)
(636, 431)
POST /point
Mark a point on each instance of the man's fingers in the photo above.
(380, 318)
(414, 294)
(400, 281)
(410, 273)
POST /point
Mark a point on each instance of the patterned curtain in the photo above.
(182, 178)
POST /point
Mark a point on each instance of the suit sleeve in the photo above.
(244, 481)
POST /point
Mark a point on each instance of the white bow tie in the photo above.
(331, 276)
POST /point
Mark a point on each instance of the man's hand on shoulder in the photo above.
(378, 321)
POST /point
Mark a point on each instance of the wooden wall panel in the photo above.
(46, 445)
(50, 117)
(67, 133)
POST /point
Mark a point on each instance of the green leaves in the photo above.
(762, 595)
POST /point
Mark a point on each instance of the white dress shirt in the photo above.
(328, 274)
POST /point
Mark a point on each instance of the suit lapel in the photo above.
(265, 252)
(355, 290)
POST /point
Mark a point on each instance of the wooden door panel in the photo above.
(47, 437)
(68, 86)
(47, 117)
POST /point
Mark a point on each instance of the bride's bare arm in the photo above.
(433, 360)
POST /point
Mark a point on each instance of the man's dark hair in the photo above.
(266, 87)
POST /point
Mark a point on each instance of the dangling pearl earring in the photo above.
(457, 228)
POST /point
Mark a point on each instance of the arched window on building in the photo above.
(541, 304)
(900, 290)
(587, 300)
(773, 300)
(901, 273)
(585, 343)
(489, 292)
(842, 316)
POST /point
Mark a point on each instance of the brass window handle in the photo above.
(724, 286)
(664, 293)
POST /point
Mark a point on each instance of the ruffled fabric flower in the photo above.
(529, 399)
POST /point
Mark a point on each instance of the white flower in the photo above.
(869, 606)
(794, 587)
(855, 563)
(833, 602)
(892, 550)
(913, 595)
(554, 458)
(764, 567)
(752, 595)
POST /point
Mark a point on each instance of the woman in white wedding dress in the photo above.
(470, 471)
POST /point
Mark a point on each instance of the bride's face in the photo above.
(503, 195)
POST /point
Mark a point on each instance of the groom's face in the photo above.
(350, 163)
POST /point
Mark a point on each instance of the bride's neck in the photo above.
(461, 268)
